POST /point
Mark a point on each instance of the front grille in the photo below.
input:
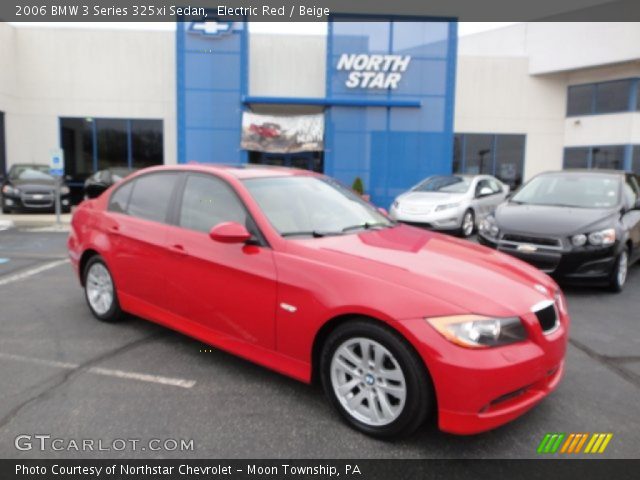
(419, 225)
(547, 242)
(547, 317)
(546, 264)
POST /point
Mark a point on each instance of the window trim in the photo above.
(132, 180)
(174, 219)
(632, 97)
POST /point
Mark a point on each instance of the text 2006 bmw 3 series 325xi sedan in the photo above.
(293, 271)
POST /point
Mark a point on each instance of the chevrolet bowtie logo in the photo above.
(527, 248)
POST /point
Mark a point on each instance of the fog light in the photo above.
(8, 201)
(579, 240)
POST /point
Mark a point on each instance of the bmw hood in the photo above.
(550, 220)
(463, 274)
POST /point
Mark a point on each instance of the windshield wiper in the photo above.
(312, 233)
(365, 226)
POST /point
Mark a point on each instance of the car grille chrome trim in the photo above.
(514, 240)
(547, 315)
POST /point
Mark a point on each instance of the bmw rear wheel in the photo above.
(375, 380)
(468, 224)
(100, 291)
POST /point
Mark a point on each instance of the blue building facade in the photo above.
(388, 105)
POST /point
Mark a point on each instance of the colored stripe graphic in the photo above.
(572, 443)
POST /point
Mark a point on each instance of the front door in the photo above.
(228, 288)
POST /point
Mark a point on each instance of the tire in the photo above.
(618, 277)
(100, 292)
(6, 210)
(468, 224)
(404, 412)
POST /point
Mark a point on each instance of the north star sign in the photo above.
(373, 71)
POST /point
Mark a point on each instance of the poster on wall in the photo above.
(282, 134)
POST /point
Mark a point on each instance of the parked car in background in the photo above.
(30, 188)
(450, 202)
(394, 322)
(103, 179)
(580, 226)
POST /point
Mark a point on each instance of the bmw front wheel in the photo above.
(375, 380)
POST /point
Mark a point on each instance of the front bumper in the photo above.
(450, 219)
(584, 265)
(34, 202)
(478, 390)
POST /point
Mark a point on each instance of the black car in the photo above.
(30, 188)
(103, 179)
(580, 226)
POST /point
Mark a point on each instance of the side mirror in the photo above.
(229, 232)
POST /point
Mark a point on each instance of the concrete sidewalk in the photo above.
(35, 221)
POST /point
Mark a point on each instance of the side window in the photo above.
(151, 196)
(495, 186)
(630, 190)
(120, 198)
(208, 201)
(481, 184)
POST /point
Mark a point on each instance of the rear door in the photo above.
(137, 228)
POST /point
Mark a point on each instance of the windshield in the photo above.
(582, 191)
(30, 172)
(313, 206)
(444, 185)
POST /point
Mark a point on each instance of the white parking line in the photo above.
(142, 377)
(31, 272)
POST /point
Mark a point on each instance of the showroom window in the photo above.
(3, 153)
(609, 156)
(92, 144)
(635, 163)
(605, 97)
(500, 155)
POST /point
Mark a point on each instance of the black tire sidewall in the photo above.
(114, 313)
(419, 399)
(613, 283)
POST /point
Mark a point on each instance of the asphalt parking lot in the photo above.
(65, 374)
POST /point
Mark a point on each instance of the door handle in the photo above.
(177, 248)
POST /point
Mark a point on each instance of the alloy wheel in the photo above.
(99, 288)
(368, 381)
(623, 266)
(467, 224)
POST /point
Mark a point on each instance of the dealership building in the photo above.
(388, 101)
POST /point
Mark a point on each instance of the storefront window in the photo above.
(499, 155)
(76, 135)
(599, 98)
(635, 162)
(95, 144)
(606, 157)
(478, 151)
(3, 159)
(146, 143)
(613, 96)
(112, 143)
(576, 158)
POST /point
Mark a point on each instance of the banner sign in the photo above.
(282, 134)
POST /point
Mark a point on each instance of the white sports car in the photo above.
(450, 202)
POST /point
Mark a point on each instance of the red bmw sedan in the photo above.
(295, 272)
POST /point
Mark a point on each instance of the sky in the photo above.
(317, 28)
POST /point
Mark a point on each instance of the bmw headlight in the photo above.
(64, 190)
(603, 237)
(489, 227)
(475, 331)
(447, 206)
(9, 190)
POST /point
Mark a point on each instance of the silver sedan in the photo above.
(450, 202)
